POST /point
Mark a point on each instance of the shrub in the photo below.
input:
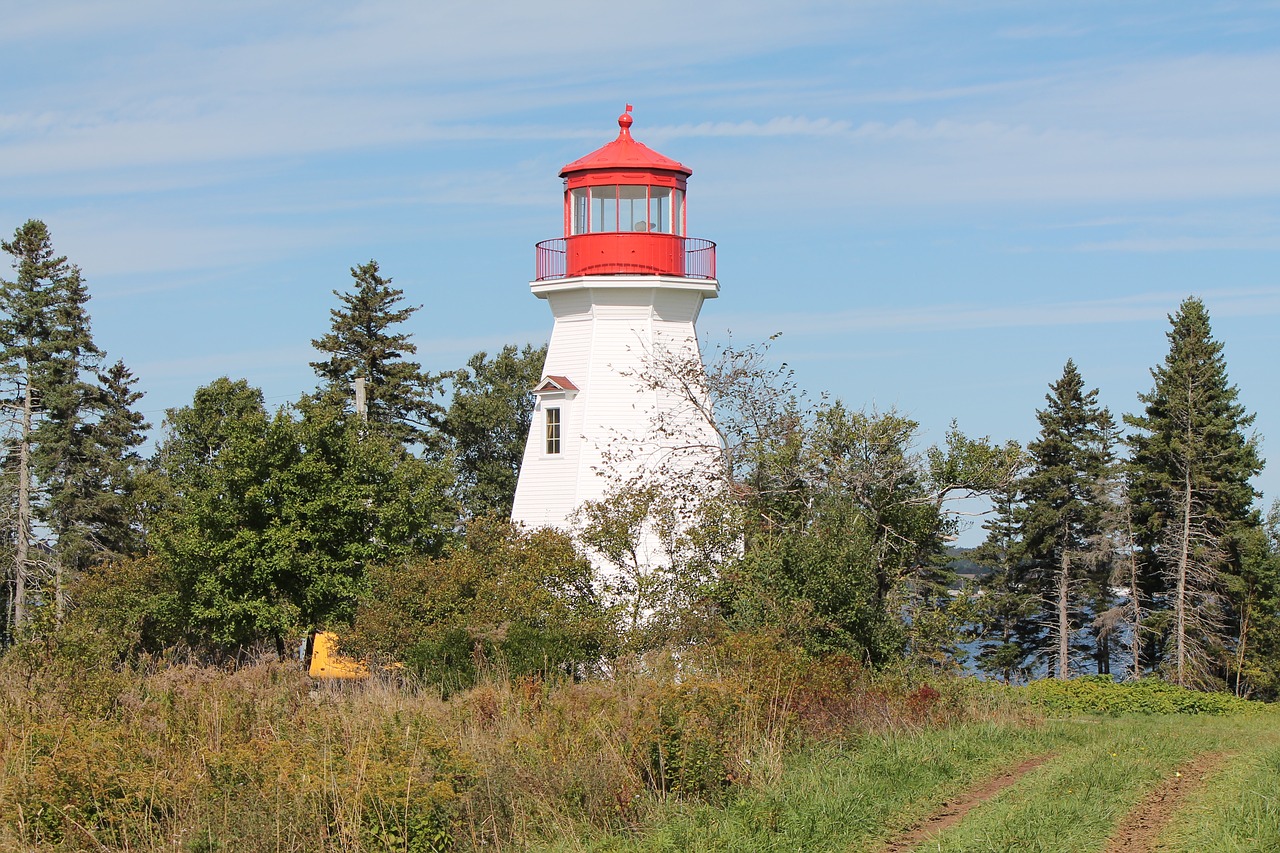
(1100, 694)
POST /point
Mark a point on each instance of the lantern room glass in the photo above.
(604, 209)
(626, 207)
(579, 210)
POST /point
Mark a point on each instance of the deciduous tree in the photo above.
(488, 422)
(274, 520)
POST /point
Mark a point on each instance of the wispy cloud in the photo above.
(1143, 307)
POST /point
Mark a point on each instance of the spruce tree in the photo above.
(48, 348)
(1008, 627)
(1190, 470)
(70, 448)
(363, 343)
(116, 466)
(1061, 519)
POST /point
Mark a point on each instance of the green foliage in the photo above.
(819, 587)
(664, 547)
(488, 422)
(1006, 604)
(272, 521)
(130, 607)
(845, 530)
(1053, 554)
(521, 602)
(1192, 426)
(1100, 694)
(1255, 592)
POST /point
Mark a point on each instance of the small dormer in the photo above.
(556, 387)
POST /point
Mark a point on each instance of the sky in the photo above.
(934, 204)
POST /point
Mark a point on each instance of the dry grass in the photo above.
(182, 757)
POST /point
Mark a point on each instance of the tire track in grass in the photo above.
(1141, 826)
(952, 812)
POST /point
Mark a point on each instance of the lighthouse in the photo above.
(625, 285)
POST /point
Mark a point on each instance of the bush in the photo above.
(1100, 694)
(520, 602)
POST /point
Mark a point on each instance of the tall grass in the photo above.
(183, 757)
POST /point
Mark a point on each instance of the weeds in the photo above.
(182, 757)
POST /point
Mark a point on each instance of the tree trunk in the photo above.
(1135, 595)
(22, 543)
(1180, 595)
(59, 592)
(1064, 618)
(1245, 612)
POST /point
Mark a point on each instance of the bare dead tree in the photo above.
(1190, 560)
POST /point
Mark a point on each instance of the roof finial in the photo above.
(624, 122)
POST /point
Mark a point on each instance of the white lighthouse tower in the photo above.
(625, 285)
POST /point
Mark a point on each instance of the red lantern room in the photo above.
(624, 214)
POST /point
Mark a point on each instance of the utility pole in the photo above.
(362, 400)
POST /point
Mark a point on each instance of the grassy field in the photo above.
(754, 750)
(861, 797)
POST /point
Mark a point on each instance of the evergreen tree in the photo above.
(48, 355)
(1255, 592)
(488, 422)
(1008, 628)
(1061, 518)
(363, 343)
(1191, 463)
(116, 467)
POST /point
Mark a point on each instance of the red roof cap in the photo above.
(625, 153)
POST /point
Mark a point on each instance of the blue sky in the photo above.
(936, 204)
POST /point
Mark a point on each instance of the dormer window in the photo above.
(553, 393)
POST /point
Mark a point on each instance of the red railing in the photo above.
(623, 253)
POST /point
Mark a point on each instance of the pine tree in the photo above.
(116, 466)
(1190, 468)
(48, 348)
(69, 450)
(362, 344)
(1007, 614)
(1064, 507)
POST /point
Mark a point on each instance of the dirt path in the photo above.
(951, 813)
(1139, 829)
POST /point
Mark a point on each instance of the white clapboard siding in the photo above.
(606, 328)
